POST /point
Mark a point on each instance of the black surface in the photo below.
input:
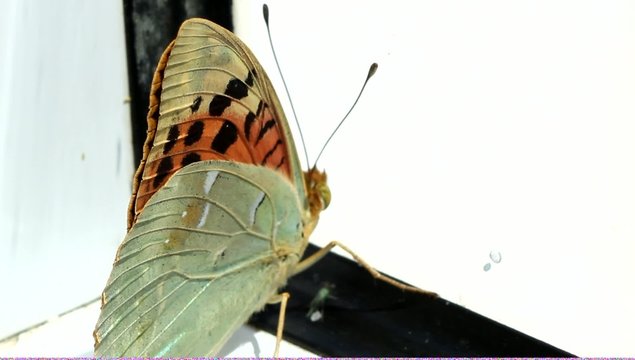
(363, 317)
(366, 317)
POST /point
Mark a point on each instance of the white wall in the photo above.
(490, 126)
(504, 126)
(65, 154)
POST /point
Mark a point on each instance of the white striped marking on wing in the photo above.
(203, 216)
(210, 178)
(254, 207)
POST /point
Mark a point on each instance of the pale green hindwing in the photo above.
(210, 248)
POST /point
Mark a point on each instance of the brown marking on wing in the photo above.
(176, 238)
(152, 119)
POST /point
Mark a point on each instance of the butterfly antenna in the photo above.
(265, 14)
(371, 72)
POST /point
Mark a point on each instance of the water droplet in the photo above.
(487, 267)
(495, 256)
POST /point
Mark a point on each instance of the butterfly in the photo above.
(221, 210)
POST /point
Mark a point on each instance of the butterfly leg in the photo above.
(309, 261)
(282, 299)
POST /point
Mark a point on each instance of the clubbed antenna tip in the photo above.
(372, 70)
(265, 13)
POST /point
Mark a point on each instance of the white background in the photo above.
(491, 126)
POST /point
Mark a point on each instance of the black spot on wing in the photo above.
(261, 105)
(173, 135)
(249, 121)
(280, 163)
(165, 166)
(226, 136)
(268, 125)
(218, 104)
(190, 158)
(250, 79)
(194, 133)
(236, 89)
(196, 104)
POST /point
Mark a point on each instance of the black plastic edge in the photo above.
(366, 317)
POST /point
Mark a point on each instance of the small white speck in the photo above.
(315, 316)
(487, 267)
(183, 214)
(166, 241)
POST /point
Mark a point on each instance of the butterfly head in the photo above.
(318, 191)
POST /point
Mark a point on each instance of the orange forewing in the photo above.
(232, 123)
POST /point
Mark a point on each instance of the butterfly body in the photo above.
(221, 211)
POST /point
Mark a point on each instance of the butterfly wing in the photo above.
(216, 102)
(205, 251)
(212, 246)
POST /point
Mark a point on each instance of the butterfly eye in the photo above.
(319, 192)
(325, 194)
